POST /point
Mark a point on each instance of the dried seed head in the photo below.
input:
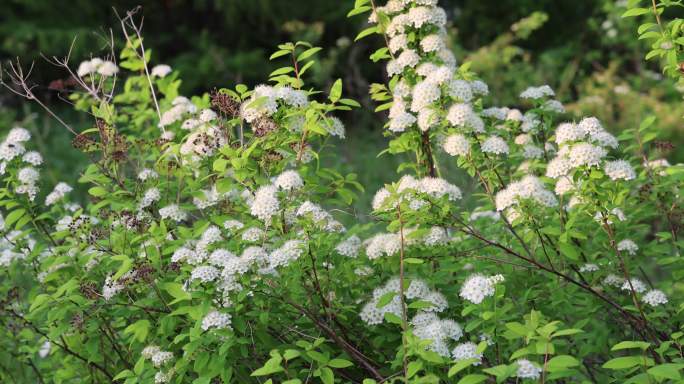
(225, 103)
(264, 126)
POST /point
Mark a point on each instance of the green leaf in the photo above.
(561, 362)
(308, 53)
(635, 12)
(340, 363)
(569, 251)
(279, 53)
(14, 216)
(472, 379)
(317, 356)
(413, 368)
(291, 354)
(667, 371)
(366, 32)
(176, 291)
(385, 299)
(336, 91)
(624, 362)
(98, 191)
(631, 345)
(327, 376)
(139, 329)
(39, 301)
(461, 365)
(126, 373)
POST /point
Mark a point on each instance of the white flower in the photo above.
(638, 285)
(147, 174)
(402, 121)
(335, 127)
(233, 225)
(432, 43)
(553, 106)
(265, 204)
(530, 187)
(477, 287)
(460, 90)
(161, 358)
(60, 190)
(151, 196)
(34, 158)
(465, 351)
(349, 247)
(537, 92)
(459, 114)
(110, 288)
(619, 170)
(527, 370)
(456, 145)
(397, 43)
(589, 267)
(436, 188)
(289, 180)
(288, 252)
(532, 152)
(495, 145)
(173, 212)
(559, 166)
(408, 58)
(204, 274)
(613, 280)
(424, 93)
(107, 69)
(28, 175)
(568, 132)
(379, 199)
(160, 70)
(216, 319)
(591, 126)
(655, 297)
(628, 246)
(253, 234)
(586, 154)
(479, 87)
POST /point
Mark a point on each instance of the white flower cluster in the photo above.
(173, 212)
(527, 370)
(9, 249)
(638, 285)
(157, 355)
(160, 70)
(477, 287)
(111, 287)
(216, 320)
(586, 144)
(147, 174)
(413, 190)
(373, 313)
(529, 188)
(321, 218)
(28, 179)
(61, 189)
(628, 246)
(537, 92)
(264, 101)
(465, 351)
(428, 326)
(349, 247)
(104, 68)
(180, 106)
(655, 297)
(426, 70)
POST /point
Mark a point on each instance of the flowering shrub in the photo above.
(212, 246)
